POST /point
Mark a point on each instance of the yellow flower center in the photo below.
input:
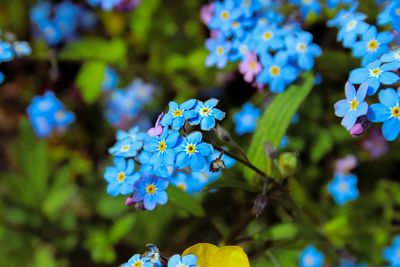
(396, 112)
(301, 47)
(235, 24)
(267, 35)
(182, 186)
(253, 65)
(121, 177)
(375, 72)
(137, 264)
(397, 55)
(224, 15)
(274, 70)
(190, 149)
(177, 113)
(373, 45)
(220, 50)
(343, 187)
(60, 115)
(246, 3)
(205, 111)
(307, 2)
(162, 146)
(150, 189)
(125, 148)
(243, 49)
(398, 12)
(351, 25)
(354, 104)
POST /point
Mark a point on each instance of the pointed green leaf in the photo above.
(90, 80)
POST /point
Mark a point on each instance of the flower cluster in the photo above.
(119, 5)
(271, 51)
(47, 114)
(123, 106)
(58, 23)
(146, 163)
(10, 49)
(380, 59)
(152, 258)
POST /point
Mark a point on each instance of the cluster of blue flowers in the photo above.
(380, 59)
(10, 49)
(167, 153)
(47, 114)
(271, 50)
(152, 258)
(59, 23)
(119, 5)
(123, 106)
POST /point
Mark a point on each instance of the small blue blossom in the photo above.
(388, 112)
(192, 152)
(392, 253)
(154, 255)
(343, 16)
(246, 119)
(111, 79)
(353, 106)
(301, 48)
(189, 260)
(121, 177)
(141, 91)
(22, 49)
(267, 37)
(137, 260)
(178, 114)
(207, 113)
(311, 257)
(276, 72)
(135, 134)
(6, 52)
(307, 6)
(351, 29)
(343, 188)
(219, 50)
(126, 148)
(374, 74)
(248, 7)
(225, 14)
(391, 15)
(372, 45)
(151, 191)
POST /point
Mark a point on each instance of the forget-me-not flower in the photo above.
(178, 114)
(121, 177)
(207, 113)
(192, 152)
(151, 191)
(311, 257)
(343, 188)
(246, 119)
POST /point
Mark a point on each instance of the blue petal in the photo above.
(166, 119)
(178, 122)
(204, 149)
(189, 259)
(391, 129)
(362, 92)
(378, 113)
(149, 202)
(389, 97)
(349, 120)
(207, 123)
(120, 163)
(194, 138)
(350, 91)
(211, 102)
(218, 114)
(182, 159)
(188, 104)
(389, 78)
(161, 197)
(341, 108)
(197, 162)
(359, 75)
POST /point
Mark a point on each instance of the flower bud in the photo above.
(223, 134)
(217, 164)
(287, 163)
(271, 151)
(259, 204)
(361, 126)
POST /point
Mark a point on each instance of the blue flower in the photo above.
(388, 112)
(6, 52)
(121, 177)
(163, 147)
(307, 6)
(178, 114)
(189, 260)
(351, 29)
(248, 7)
(135, 134)
(137, 261)
(392, 57)
(126, 148)
(391, 253)
(343, 15)
(302, 49)
(240, 47)
(343, 188)
(154, 255)
(246, 119)
(374, 74)
(372, 45)
(391, 15)
(225, 14)
(111, 79)
(335, 3)
(311, 257)
(2, 77)
(192, 152)
(22, 49)
(219, 50)
(140, 91)
(267, 37)
(151, 191)
(353, 106)
(276, 72)
(207, 113)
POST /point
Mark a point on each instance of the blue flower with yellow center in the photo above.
(343, 188)
(178, 114)
(177, 260)
(163, 147)
(302, 50)
(193, 152)
(351, 29)
(225, 14)
(126, 148)
(207, 113)
(137, 261)
(121, 177)
(151, 191)
(267, 37)
(391, 15)
(311, 257)
(219, 51)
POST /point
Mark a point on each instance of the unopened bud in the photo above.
(217, 164)
(223, 134)
(288, 163)
(259, 205)
(129, 201)
(271, 151)
(361, 126)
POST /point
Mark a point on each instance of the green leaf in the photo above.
(232, 183)
(187, 203)
(322, 145)
(121, 228)
(90, 80)
(279, 232)
(142, 19)
(274, 122)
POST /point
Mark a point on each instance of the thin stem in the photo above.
(272, 258)
(239, 149)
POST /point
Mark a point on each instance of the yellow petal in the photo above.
(204, 252)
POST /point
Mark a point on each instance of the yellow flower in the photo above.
(212, 256)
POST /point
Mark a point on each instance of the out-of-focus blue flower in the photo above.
(343, 188)
(335, 3)
(372, 45)
(219, 50)
(301, 48)
(277, 73)
(126, 148)
(178, 114)
(388, 112)
(351, 29)
(284, 142)
(141, 91)
(22, 49)
(225, 14)
(207, 113)
(246, 119)
(311, 257)
(46, 114)
(391, 15)
(248, 7)
(189, 260)
(121, 177)
(343, 16)
(374, 74)
(192, 152)
(307, 6)
(391, 253)
(151, 191)
(266, 37)
(134, 134)
(163, 147)
(137, 261)
(353, 106)
(111, 79)
(6, 52)
(240, 48)
(2, 77)
(392, 57)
